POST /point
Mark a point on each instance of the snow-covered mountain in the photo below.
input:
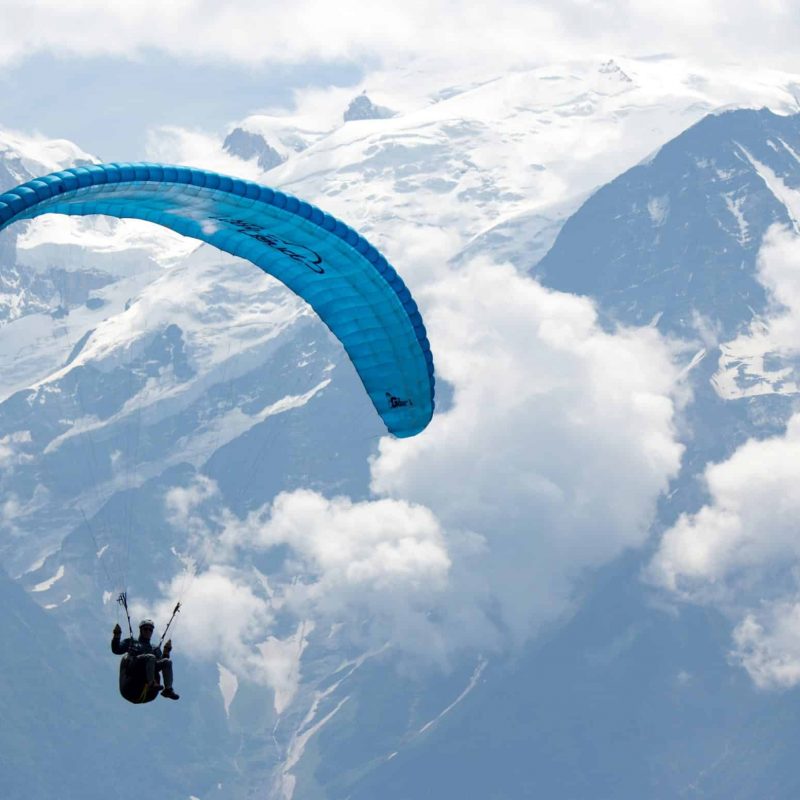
(157, 396)
(474, 164)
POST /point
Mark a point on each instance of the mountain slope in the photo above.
(686, 226)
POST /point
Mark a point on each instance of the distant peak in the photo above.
(246, 144)
(613, 69)
(361, 107)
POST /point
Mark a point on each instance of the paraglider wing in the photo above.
(347, 282)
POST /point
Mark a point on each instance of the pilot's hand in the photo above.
(167, 647)
(117, 631)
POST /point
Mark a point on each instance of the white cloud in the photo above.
(741, 553)
(227, 613)
(557, 447)
(509, 32)
(767, 644)
(777, 263)
(371, 545)
(749, 525)
(379, 567)
(369, 572)
(777, 270)
(11, 454)
(183, 503)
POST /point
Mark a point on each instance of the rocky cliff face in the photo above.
(246, 145)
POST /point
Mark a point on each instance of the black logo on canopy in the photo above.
(297, 252)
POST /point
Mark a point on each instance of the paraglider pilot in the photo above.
(141, 665)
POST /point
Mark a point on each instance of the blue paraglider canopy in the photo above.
(347, 282)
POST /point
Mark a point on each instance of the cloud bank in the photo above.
(740, 552)
(558, 442)
(253, 32)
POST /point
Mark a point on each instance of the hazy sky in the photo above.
(265, 31)
(106, 104)
(201, 64)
